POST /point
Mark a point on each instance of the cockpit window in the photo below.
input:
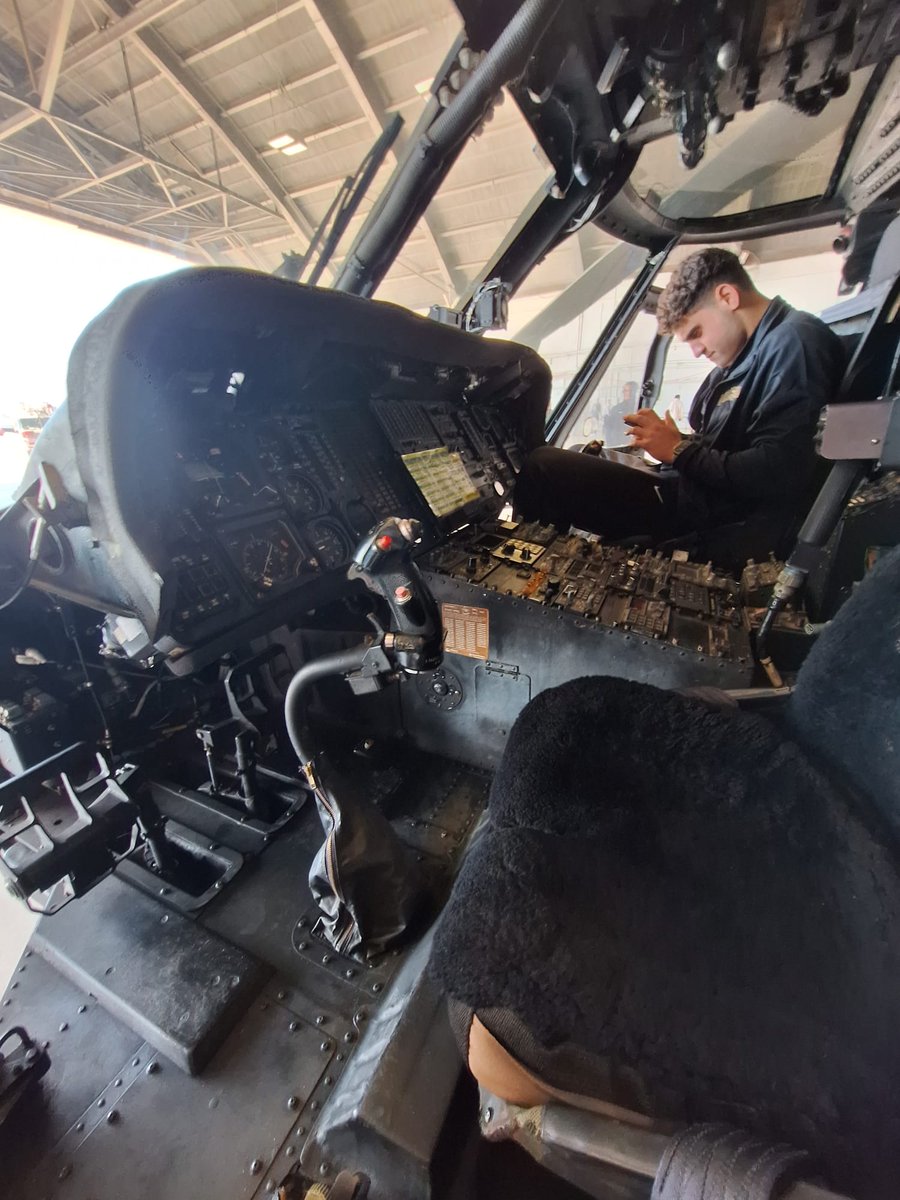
(489, 186)
(564, 325)
(618, 390)
(772, 155)
(566, 302)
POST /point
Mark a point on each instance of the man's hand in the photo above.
(649, 432)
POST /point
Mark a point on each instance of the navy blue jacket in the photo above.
(752, 457)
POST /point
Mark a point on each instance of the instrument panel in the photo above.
(269, 498)
(641, 593)
(264, 505)
(232, 437)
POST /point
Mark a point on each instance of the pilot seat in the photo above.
(679, 912)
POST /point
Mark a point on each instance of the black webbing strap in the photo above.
(718, 1162)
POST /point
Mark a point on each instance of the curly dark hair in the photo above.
(692, 281)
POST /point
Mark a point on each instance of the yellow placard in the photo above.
(442, 479)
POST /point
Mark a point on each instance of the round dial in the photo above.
(219, 485)
(266, 556)
(238, 490)
(331, 544)
(302, 495)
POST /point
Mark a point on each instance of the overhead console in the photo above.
(615, 67)
(228, 437)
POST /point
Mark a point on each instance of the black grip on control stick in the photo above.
(383, 561)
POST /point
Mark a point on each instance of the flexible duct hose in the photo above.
(342, 662)
(366, 882)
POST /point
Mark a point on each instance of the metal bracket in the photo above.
(245, 705)
(57, 842)
(489, 306)
(18, 1068)
(375, 671)
(499, 668)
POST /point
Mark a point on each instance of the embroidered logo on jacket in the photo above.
(728, 395)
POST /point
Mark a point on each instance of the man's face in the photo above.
(714, 328)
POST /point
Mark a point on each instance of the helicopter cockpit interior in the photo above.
(288, 693)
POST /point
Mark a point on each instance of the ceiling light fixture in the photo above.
(423, 86)
(294, 148)
(281, 140)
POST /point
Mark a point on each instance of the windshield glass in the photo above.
(779, 267)
(771, 155)
(786, 267)
(566, 302)
(483, 196)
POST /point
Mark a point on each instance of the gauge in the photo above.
(266, 555)
(239, 490)
(221, 483)
(272, 454)
(331, 544)
(304, 497)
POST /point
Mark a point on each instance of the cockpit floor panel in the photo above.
(276, 1079)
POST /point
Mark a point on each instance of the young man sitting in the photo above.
(736, 486)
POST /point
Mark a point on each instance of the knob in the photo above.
(727, 56)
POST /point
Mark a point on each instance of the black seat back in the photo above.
(845, 709)
(870, 365)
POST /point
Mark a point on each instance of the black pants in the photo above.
(563, 488)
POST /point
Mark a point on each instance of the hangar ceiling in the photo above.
(152, 121)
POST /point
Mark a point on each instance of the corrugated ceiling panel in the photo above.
(273, 57)
(198, 24)
(391, 44)
(377, 20)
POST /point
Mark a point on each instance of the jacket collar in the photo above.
(775, 313)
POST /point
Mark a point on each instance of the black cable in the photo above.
(112, 665)
(23, 501)
(9, 510)
(340, 663)
(20, 588)
(36, 537)
(69, 629)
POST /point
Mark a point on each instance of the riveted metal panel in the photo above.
(172, 1136)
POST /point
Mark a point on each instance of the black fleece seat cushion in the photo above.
(677, 896)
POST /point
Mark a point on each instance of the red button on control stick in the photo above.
(384, 542)
(402, 594)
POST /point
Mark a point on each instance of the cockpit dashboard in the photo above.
(229, 437)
